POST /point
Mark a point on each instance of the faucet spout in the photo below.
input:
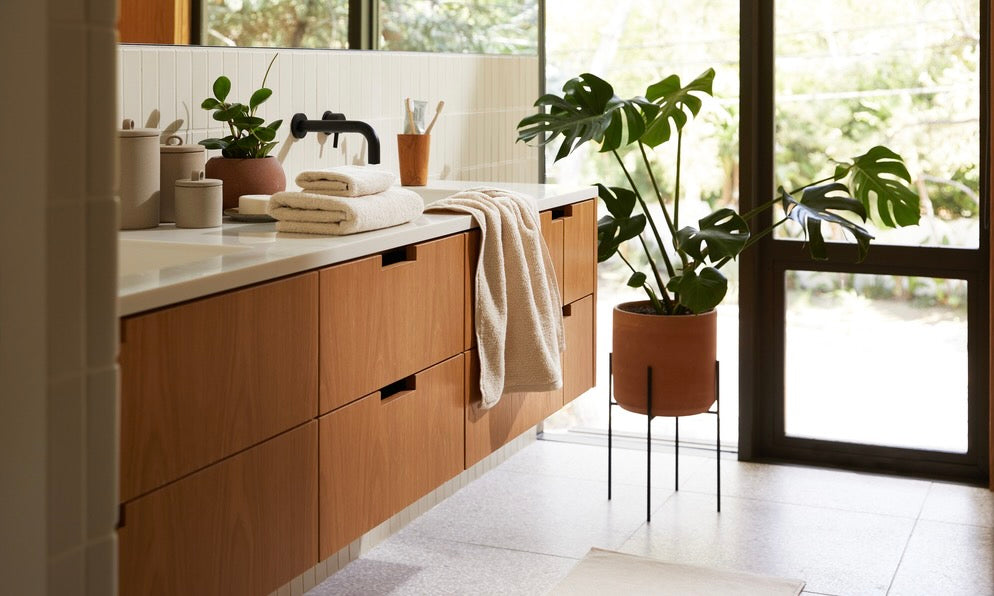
(335, 123)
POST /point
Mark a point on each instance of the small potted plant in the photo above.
(674, 331)
(245, 165)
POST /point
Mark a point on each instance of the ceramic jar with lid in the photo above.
(138, 178)
(198, 201)
(176, 161)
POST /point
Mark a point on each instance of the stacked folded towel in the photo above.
(344, 200)
(519, 323)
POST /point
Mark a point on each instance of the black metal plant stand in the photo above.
(648, 436)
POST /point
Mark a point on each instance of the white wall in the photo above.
(58, 272)
(485, 97)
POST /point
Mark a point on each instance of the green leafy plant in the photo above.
(689, 280)
(250, 135)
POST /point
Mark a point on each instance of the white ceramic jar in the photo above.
(138, 178)
(198, 201)
(176, 161)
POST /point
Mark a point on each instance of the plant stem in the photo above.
(826, 179)
(652, 224)
(752, 240)
(676, 187)
(648, 290)
(655, 187)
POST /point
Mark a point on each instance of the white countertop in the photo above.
(240, 254)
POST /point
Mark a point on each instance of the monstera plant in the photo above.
(683, 273)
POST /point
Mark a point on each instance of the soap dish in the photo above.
(247, 217)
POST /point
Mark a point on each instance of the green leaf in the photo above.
(274, 125)
(637, 280)
(210, 103)
(214, 143)
(812, 210)
(880, 174)
(259, 96)
(700, 293)
(724, 232)
(612, 233)
(265, 149)
(248, 122)
(264, 134)
(222, 86)
(673, 103)
(587, 111)
(619, 201)
(232, 112)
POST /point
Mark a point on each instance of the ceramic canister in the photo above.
(198, 201)
(138, 178)
(176, 161)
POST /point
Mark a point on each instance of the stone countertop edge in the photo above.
(272, 255)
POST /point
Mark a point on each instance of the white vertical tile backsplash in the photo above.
(485, 96)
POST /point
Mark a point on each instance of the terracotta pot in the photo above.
(681, 349)
(260, 176)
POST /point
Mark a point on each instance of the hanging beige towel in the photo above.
(346, 181)
(310, 213)
(519, 320)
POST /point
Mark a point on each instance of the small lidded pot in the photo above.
(176, 161)
(198, 201)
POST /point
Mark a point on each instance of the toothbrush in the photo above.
(438, 111)
(410, 116)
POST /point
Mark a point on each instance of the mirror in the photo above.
(472, 26)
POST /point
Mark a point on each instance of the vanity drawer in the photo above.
(246, 525)
(553, 232)
(515, 413)
(203, 380)
(387, 316)
(578, 360)
(579, 249)
(385, 451)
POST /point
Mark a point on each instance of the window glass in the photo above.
(468, 26)
(276, 23)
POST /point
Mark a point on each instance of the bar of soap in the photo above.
(253, 204)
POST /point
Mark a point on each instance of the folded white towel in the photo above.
(311, 213)
(346, 181)
(519, 322)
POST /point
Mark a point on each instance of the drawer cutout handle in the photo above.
(562, 212)
(567, 311)
(398, 389)
(404, 254)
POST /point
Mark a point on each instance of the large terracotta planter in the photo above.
(681, 350)
(259, 176)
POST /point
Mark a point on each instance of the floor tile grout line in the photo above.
(776, 502)
(513, 550)
(907, 543)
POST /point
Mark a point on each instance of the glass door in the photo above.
(879, 364)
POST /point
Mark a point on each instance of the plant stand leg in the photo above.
(610, 408)
(676, 455)
(648, 446)
(717, 421)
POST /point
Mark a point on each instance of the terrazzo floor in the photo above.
(520, 528)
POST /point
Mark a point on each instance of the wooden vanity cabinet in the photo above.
(243, 526)
(390, 315)
(578, 359)
(385, 451)
(203, 380)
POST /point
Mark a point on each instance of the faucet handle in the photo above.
(329, 115)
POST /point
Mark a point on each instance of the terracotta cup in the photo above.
(412, 151)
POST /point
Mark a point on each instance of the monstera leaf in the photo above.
(668, 101)
(812, 210)
(880, 174)
(612, 233)
(724, 232)
(619, 200)
(587, 111)
(700, 293)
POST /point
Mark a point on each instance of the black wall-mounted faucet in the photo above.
(335, 123)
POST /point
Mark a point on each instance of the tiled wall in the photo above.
(485, 97)
(58, 278)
